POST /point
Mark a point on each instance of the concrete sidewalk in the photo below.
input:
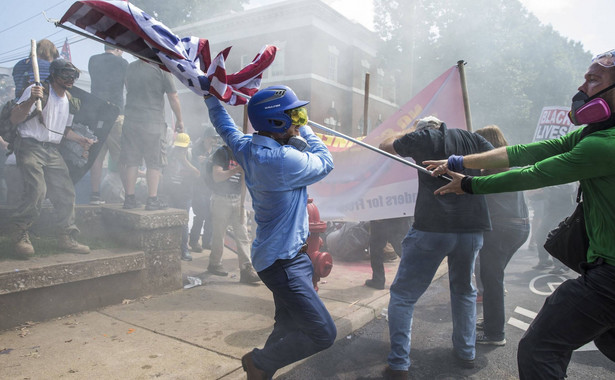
(196, 333)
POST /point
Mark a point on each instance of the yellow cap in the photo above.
(182, 140)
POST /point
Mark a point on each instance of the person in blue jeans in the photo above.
(511, 228)
(279, 161)
(443, 227)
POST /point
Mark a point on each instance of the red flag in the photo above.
(66, 51)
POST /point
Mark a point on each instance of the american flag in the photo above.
(66, 51)
(128, 27)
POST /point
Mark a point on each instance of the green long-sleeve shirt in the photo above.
(568, 159)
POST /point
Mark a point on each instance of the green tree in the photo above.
(515, 66)
(179, 12)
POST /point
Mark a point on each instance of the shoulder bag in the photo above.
(568, 242)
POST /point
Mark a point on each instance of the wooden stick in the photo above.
(37, 78)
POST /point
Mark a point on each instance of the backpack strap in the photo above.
(74, 104)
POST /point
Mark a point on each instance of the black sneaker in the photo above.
(155, 204)
(218, 271)
(484, 339)
(195, 247)
(186, 256)
(463, 363)
(374, 284)
(95, 200)
(130, 203)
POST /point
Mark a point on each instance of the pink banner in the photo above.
(366, 185)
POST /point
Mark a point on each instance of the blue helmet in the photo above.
(266, 109)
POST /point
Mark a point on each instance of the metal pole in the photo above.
(365, 145)
(366, 105)
(464, 92)
(242, 213)
(373, 148)
(57, 24)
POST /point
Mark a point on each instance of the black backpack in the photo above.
(8, 131)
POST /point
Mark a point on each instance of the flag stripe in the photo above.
(124, 25)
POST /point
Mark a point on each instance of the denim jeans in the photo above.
(499, 246)
(381, 232)
(578, 311)
(422, 254)
(303, 326)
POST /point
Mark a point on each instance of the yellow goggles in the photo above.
(299, 116)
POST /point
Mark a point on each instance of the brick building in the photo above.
(322, 55)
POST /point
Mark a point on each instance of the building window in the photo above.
(380, 83)
(277, 67)
(393, 89)
(333, 63)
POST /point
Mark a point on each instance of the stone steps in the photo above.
(46, 287)
(40, 272)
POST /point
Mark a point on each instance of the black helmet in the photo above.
(61, 68)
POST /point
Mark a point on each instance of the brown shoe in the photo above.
(253, 372)
(69, 244)
(23, 247)
(395, 374)
(248, 275)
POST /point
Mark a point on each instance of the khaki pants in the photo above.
(45, 175)
(226, 211)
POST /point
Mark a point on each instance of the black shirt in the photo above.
(224, 158)
(450, 212)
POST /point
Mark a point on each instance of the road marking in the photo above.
(518, 324)
(550, 285)
(525, 312)
(588, 347)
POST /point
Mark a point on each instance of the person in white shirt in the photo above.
(44, 172)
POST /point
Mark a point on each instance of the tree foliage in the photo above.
(179, 12)
(515, 66)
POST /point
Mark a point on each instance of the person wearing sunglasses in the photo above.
(580, 310)
(44, 172)
(279, 161)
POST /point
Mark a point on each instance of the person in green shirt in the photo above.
(580, 310)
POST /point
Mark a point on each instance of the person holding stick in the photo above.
(443, 227)
(43, 169)
(279, 161)
(580, 310)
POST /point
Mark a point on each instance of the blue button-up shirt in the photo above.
(276, 177)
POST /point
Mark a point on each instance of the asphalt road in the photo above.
(362, 355)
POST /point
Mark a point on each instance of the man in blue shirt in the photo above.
(23, 75)
(279, 161)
